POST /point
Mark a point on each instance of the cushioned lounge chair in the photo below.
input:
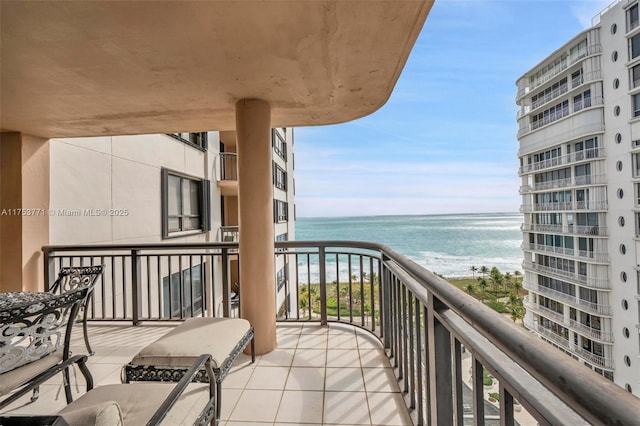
(140, 403)
(167, 358)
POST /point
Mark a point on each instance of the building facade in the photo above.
(579, 135)
(164, 188)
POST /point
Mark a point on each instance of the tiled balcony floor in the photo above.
(336, 375)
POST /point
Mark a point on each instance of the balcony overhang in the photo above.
(108, 68)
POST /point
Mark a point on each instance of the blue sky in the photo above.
(445, 142)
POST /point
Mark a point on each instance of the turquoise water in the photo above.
(445, 244)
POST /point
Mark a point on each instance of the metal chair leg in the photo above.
(35, 394)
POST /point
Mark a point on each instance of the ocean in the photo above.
(445, 244)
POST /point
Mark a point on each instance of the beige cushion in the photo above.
(15, 378)
(106, 413)
(196, 336)
(136, 402)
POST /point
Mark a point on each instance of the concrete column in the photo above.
(255, 220)
(24, 205)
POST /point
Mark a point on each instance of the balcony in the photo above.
(596, 205)
(587, 154)
(335, 375)
(592, 333)
(229, 234)
(591, 282)
(590, 307)
(548, 334)
(423, 333)
(227, 175)
(570, 252)
(565, 183)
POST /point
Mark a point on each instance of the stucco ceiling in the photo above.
(107, 68)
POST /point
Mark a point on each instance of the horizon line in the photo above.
(410, 214)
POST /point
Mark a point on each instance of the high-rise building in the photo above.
(579, 134)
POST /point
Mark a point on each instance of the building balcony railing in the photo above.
(582, 254)
(595, 230)
(587, 154)
(228, 166)
(591, 282)
(547, 333)
(594, 308)
(565, 206)
(565, 183)
(548, 313)
(593, 358)
(558, 115)
(423, 322)
(592, 333)
(229, 234)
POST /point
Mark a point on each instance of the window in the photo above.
(635, 76)
(632, 17)
(634, 46)
(614, 28)
(636, 105)
(636, 164)
(185, 286)
(185, 204)
(279, 144)
(616, 83)
(279, 177)
(197, 140)
(280, 211)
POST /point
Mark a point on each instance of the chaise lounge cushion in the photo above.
(19, 376)
(182, 345)
(104, 413)
(136, 403)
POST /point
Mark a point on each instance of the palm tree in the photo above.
(508, 280)
(470, 289)
(496, 278)
(473, 270)
(483, 284)
(484, 271)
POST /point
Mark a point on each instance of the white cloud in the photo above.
(585, 11)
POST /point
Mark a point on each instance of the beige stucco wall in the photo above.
(122, 176)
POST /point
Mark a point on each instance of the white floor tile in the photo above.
(268, 378)
(380, 380)
(257, 406)
(342, 408)
(306, 378)
(345, 379)
(301, 407)
(388, 409)
(343, 358)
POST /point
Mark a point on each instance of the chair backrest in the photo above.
(34, 325)
(73, 277)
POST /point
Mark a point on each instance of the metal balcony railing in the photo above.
(594, 308)
(591, 282)
(229, 234)
(424, 323)
(565, 205)
(547, 333)
(593, 230)
(587, 154)
(592, 333)
(228, 166)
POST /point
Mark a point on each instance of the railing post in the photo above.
(226, 302)
(49, 269)
(440, 366)
(136, 283)
(323, 287)
(478, 389)
(385, 303)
